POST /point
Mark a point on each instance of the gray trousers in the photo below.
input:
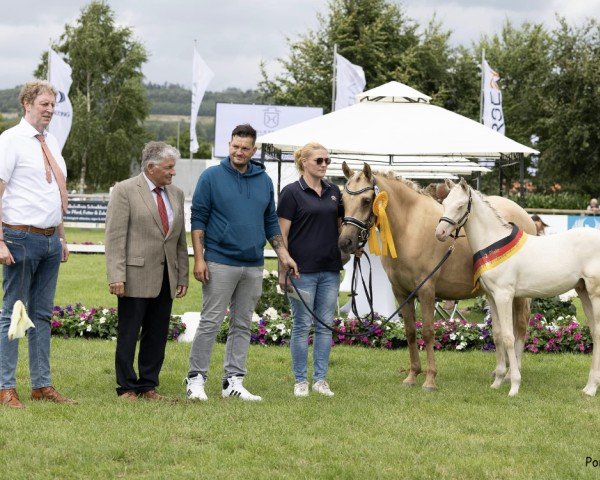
(238, 288)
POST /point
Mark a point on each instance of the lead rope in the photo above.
(410, 297)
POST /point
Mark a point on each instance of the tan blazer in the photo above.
(136, 249)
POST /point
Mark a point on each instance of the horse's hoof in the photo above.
(496, 384)
(589, 391)
(429, 389)
(513, 393)
(408, 384)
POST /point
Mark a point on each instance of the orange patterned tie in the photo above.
(53, 168)
(162, 210)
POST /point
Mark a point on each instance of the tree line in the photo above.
(550, 79)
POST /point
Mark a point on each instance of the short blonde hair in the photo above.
(32, 90)
(304, 152)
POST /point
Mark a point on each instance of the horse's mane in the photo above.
(409, 183)
(492, 208)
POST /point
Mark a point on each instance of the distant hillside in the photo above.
(166, 99)
(9, 100)
(170, 99)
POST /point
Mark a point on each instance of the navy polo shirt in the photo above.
(313, 235)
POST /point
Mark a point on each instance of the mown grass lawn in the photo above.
(373, 427)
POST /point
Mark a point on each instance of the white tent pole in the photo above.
(333, 80)
(481, 99)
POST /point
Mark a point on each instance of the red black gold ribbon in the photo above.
(497, 253)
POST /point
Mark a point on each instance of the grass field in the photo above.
(372, 428)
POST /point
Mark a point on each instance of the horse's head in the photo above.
(457, 206)
(357, 197)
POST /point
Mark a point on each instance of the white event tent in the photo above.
(394, 121)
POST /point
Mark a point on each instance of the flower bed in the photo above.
(79, 321)
(562, 335)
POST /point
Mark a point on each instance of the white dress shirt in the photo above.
(28, 197)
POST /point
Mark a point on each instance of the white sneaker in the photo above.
(322, 387)
(233, 387)
(301, 389)
(195, 388)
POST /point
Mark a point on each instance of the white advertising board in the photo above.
(264, 118)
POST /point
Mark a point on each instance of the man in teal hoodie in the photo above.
(233, 213)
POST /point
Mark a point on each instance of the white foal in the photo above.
(509, 263)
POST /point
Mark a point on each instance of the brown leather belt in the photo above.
(30, 228)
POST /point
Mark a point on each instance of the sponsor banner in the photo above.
(264, 118)
(492, 100)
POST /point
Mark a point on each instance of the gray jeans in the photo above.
(238, 288)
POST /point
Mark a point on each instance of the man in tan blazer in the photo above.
(147, 266)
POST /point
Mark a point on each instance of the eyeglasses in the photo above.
(320, 160)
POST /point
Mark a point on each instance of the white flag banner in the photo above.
(201, 77)
(492, 100)
(350, 81)
(59, 75)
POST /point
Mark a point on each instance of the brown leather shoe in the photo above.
(129, 396)
(50, 394)
(10, 398)
(154, 395)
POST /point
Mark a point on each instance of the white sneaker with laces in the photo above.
(195, 388)
(301, 389)
(233, 387)
(322, 387)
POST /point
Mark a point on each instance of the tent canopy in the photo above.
(391, 122)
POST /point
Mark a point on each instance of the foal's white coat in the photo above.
(543, 267)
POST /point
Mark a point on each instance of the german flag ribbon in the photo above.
(497, 253)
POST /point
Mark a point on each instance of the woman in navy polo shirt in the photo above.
(310, 212)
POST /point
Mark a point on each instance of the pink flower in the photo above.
(577, 336)
(581, 347)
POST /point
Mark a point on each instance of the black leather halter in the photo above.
(363, 226)
(462, 220)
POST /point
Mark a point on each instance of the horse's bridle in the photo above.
(461, 221)
(363, 227)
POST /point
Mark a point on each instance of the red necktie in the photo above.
(53, 168)
(162, 210)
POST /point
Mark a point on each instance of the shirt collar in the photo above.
(151, 185)
(29, 129)
(304, 185)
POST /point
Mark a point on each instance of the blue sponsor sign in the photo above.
(86, 211)
(578, 221)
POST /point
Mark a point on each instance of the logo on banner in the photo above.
(60, 97)
(271, 117)
(577, 221)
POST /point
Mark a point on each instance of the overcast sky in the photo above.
(234, 36)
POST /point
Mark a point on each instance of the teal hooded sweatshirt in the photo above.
(236, 212)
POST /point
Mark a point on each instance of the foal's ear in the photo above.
(347, 171)
(449, 183)
(367, 171)
(463, 183)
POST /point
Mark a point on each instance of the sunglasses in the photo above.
(320, 160)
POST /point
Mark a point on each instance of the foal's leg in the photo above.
(591, 307)
(500, 371)
(427, 301)
(408, 314)
(521, 314)
(503, 301)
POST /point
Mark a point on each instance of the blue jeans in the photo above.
(323, 289)
(32, 279)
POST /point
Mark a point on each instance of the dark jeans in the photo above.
(151, 315)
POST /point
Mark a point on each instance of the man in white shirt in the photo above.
(32, 244)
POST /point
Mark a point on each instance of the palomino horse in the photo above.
(503, 263)
(413, 217)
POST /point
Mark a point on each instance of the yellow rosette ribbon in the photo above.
(383, 224)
